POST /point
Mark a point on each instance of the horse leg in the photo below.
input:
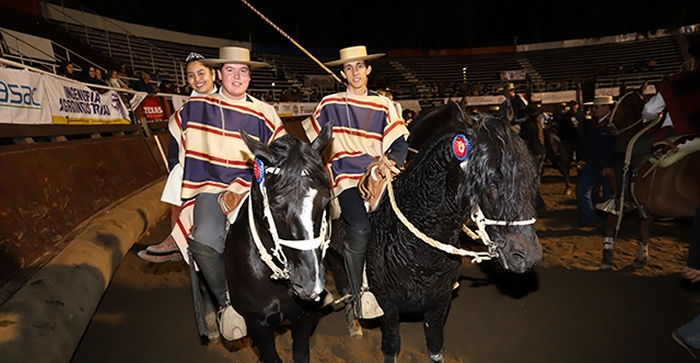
(609, 243)
(642, 251)
(391, 340)
(264, 340)
(301, 332)
(433, 327)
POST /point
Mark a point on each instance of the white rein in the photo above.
(481, 233)
(321, 241)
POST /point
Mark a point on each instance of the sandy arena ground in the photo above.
(564, 311)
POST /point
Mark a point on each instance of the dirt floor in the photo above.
(564, 311)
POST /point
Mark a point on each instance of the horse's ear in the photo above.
(324, 138)
(257, 148)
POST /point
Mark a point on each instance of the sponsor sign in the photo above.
(152, 109)
(74, 103)
(22, 99)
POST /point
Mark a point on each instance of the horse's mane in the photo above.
(502, 174)
(298, 158)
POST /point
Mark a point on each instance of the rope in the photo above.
(476, 256)
(293, 42)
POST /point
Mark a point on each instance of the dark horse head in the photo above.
(499, 180)
(503, 183)
(288, 206)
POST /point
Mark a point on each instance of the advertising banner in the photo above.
(22, 99)
(76, 104)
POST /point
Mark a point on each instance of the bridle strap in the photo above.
(322, 241)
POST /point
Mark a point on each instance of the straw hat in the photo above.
(510, 86)
(600, 101)
(234, 55)
(352, 54)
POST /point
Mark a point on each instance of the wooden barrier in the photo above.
(57, 177)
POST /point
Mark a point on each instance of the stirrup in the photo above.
(231, 324)
(370, 306)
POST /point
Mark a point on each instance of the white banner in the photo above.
(22, 98)
(75, 104)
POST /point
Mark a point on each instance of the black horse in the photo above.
(492, 182)
(281, 231)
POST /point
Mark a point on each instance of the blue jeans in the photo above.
(589, 181)
(690, 332)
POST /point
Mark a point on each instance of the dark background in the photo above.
(405, 24)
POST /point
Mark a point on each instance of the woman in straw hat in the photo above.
(368, 128)
(209, 126)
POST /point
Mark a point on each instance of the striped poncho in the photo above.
(363, 131)
(212, 151)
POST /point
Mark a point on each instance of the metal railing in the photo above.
(176, 73)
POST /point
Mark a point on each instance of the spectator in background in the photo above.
(596, 161)
(90, 77)
(115, 80)
(67, 70)
(144, 84)
(570, 130)
(408, 116)
(651, 64)
(513, 107)
(167, 87)
(156, 80)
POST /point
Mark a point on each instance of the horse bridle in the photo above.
(322, 241)
(611, 124)
(478, 217)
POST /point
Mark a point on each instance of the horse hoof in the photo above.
(607, 262)
(639, 263)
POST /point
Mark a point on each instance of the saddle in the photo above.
(667, 152)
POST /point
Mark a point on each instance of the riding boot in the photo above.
(608, 253)
(355, 247)
(211, 264)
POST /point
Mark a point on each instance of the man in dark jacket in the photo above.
(570, 131)
(595, 161)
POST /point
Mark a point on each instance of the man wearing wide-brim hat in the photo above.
(513, 107)
(595, 160)
(367, 127)
(217, 169)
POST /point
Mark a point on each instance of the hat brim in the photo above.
(340, 62)
(219, 61)
(598, 104)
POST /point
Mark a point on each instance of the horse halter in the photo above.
(481, 223)
(322, 241)
(611, 124)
